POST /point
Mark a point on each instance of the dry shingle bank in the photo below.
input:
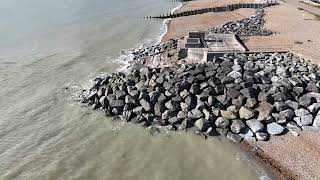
(238, 96)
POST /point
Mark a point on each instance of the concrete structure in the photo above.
(206, 45)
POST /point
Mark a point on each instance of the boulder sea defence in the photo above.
(271, 94)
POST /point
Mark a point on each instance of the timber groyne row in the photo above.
(230, 7)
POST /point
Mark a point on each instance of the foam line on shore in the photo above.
(126, 55)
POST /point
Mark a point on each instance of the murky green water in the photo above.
(45, 134)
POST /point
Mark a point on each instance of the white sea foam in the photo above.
(126, 55)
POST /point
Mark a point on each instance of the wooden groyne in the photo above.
(230, 7)
(181, 0)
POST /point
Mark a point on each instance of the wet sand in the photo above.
(287, 156)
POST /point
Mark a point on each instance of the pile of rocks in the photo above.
(248, 26)
(237, 95)
(155, 49)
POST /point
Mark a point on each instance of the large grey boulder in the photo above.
(281, 106)
(237, 126)
(195, 114)
(246, 113)
(287, 114)
(129, 100)
(239, 101)
(249, 92)
(184, 107)
(174, 120)
(305, 100)
(146, 105)
(168, 114)
(120, 94)
(246, 133)
(264, 108)
(255, 125)
(222, 122)
(274, 129)
(228, 114)
(235, 74)
(251, 102)
(304, 120)
(172, 105)
(116, 103)
(304, 117)
(182, 115)
(301, 112)
(187, 123)
(295, 81)
(202, 124)
(207, 114)
(314, 108)
(159, 108)
(292, 104)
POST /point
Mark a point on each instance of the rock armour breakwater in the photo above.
(252, 96)
(155, 49)
(245, 27)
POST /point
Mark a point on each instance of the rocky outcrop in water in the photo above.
(253, 96)
(248, 26)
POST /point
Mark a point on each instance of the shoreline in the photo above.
(271, 164)
(261, 159)
(267, 154)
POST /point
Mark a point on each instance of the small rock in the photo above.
(201, 134)
(261, 136)
(154, 130)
